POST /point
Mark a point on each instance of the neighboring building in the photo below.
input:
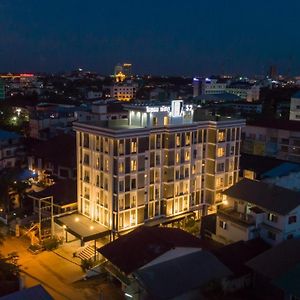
(92, 95)
(123, 91)
(207, 86)
(160, 164)
(295, 107)
(54, 159)
(235, 256)
(271, 170)
(141, 258)
(277, 271)
(64, 197)
(49, 120)
(184, 277)
(11, 150)
(249, 107)
(102, 111)
(275, 138)
(245, 90)
(213, 86)
(256, 209)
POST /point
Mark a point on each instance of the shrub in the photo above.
(51, 244)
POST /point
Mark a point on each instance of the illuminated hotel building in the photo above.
(123, 91)
(159, 164)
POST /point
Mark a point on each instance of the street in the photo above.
(60, 275)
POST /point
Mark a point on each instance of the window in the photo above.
(154, 121)
(219, 182)
(177, 140)
(106, 165)
(121, 147)
(187, 139)
(166, 120)
(133, 183)
(121, 167)
(177, 157)
(223, 225)
(187, 155)
(133, 147)
(121, 186)
(157, 159)
(220, 152)
(193, 169)
(86, 177)
(133, 165)
(292, 219)
(272, 217)
(86, 159)
(271, 235)
(220, 167)
(221, 135)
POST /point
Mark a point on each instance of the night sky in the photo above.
(167, 37)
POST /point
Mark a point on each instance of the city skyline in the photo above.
(159, 38)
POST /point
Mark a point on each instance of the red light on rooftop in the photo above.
(26, 75)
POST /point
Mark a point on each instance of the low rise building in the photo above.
(277, 271)
(141, 258)
(295, 107)
(54, 159)
(256, 209)
(275, 138)
(11, 150)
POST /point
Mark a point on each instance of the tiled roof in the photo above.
(137, 248)
(270, 197)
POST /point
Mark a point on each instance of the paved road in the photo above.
(60, 277)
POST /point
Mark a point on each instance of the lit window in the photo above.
(223, 225)
(121, 148)
(187, 155)
(221, 136)
(220, 152)
(187, 139)
(133, 165)
(219, 182)
(272, 217)
(166, 120)
(193, 169)
(106, 165)
(121, 167)
(133, 147)
(177, 157)
(178, 140)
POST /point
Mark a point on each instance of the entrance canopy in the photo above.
(82, 227)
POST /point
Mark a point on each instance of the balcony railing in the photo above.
(236, 217)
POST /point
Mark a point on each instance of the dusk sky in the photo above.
(159, 36)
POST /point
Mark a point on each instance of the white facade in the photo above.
(239, 220)
(295, 108)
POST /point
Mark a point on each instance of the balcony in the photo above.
(230, 214)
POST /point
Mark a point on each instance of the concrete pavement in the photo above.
(62, 277)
